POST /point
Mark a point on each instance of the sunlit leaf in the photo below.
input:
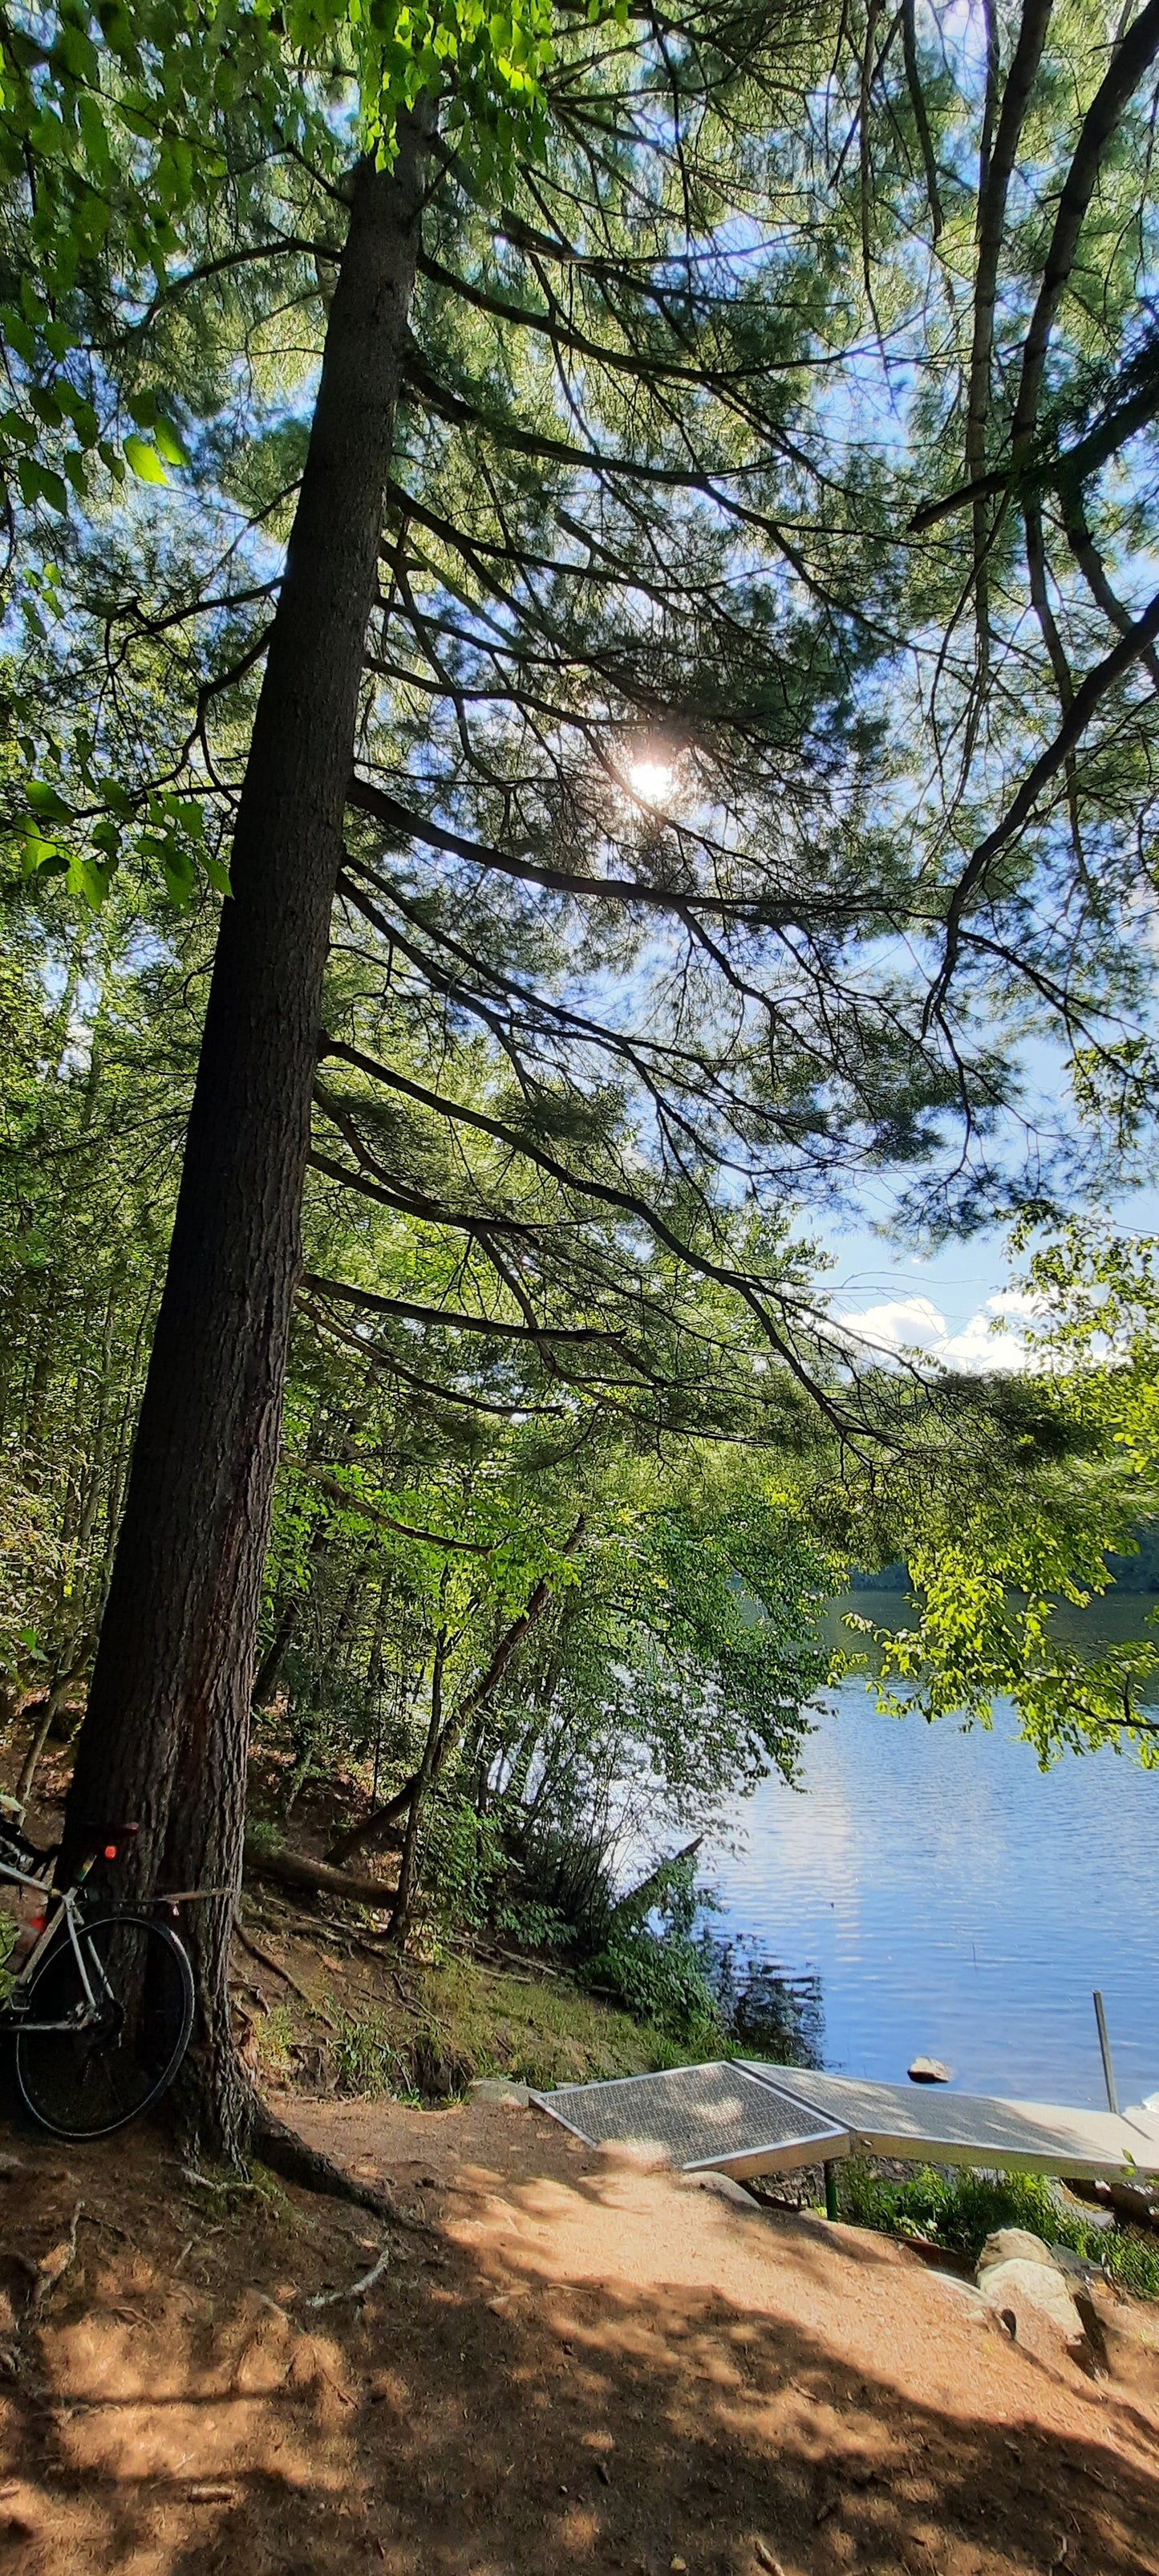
(144, 460)
(168, 443)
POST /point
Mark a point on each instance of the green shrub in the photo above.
(462, 1864)
(535, 1926)
(661, 1978)
(962, 2211)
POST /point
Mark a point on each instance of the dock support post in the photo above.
(1108, 2060)
(831, 2208)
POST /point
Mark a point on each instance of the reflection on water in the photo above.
(928, 1888)
(766, 2012)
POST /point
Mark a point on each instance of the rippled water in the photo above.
(930, 1889)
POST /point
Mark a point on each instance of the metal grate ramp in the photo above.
(717, 2117)
(972, 2128)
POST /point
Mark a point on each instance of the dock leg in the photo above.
(1108, 2060)
(831, 2208)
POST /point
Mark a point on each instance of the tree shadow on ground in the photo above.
(189, 2415)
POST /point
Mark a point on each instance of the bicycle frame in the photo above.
(63, 1906)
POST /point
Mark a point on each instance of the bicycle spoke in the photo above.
(86, 2082)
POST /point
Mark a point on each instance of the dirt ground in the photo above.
(569, 2362)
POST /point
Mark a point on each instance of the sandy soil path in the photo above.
(570, 2363)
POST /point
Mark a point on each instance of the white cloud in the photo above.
(994, 1338)
(903, 1324)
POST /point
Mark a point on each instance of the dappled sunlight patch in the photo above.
(606, 2389)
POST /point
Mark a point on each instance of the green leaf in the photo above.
(88, 878)
(94, 132)
(39, 483)
(217, 873)
(81, 413)
(46, 406)
(40, 855)
(144, 460)
(47, 801)
(169, 444)
(18, 335)
(13, 425)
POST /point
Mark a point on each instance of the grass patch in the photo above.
(541, 2033)
(368, 2060)
(960, 2213)
(273, 2040)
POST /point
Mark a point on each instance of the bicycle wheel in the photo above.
(86, 2082)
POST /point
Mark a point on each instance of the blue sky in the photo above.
(903, 1297)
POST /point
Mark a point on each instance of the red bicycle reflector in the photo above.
(110, 1851)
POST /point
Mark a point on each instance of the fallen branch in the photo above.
(380, 1826)
(292, 1869)
(538, 1967)
(640, 1900)
(357, 2289)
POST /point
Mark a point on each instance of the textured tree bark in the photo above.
(165, 1740)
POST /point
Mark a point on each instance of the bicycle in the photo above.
(101, 2008)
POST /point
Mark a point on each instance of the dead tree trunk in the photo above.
(166, 1736)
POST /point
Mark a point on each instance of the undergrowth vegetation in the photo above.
(961, 2211)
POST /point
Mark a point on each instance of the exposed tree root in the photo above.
(287, 2154)
(358, 2289)
(267, 1960)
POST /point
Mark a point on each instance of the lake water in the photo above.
(929, 1890)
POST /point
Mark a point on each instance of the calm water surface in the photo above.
(930, 1889)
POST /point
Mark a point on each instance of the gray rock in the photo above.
(1014, 2245)
(930, 2070)
(1075, 2267)
(499, 2088)
(722, 2187)
(1028, 2296)
(1094, 2213)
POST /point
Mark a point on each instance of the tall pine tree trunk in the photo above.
(165, 1739)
